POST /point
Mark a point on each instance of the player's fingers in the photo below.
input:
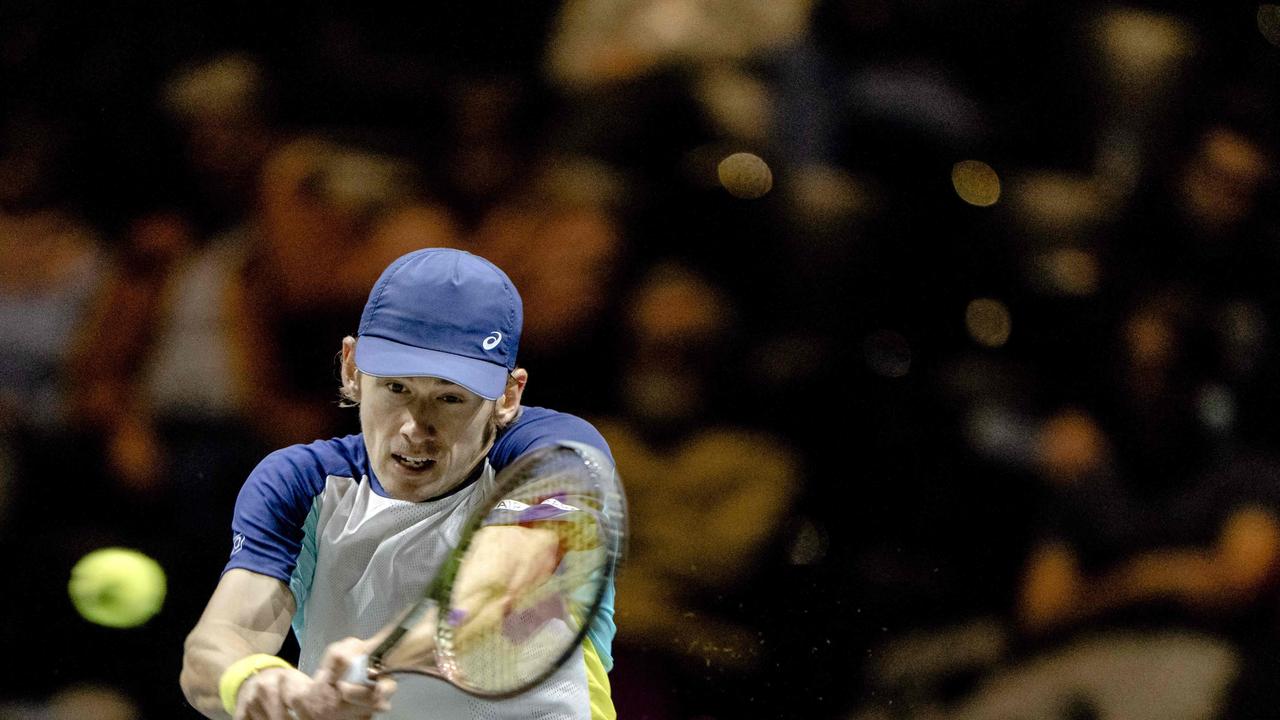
(299, 713)
(358, 694)
(386, 688)
(309, 707)
(259, 697)
(277, 708)
(369, 698)
(380, 695)
(263, 704)
(338, 657)
(358, 700)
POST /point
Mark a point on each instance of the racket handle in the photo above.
(358, 672)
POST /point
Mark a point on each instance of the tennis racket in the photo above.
(500, 640)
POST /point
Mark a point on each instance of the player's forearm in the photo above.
(209, 650)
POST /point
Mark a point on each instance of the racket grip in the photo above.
(358, 672)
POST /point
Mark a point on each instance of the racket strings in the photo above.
(540, 628)
(546, 623)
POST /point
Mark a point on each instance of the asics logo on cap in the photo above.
(492, 340)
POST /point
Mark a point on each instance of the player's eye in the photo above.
(397, 388)
(453, 399)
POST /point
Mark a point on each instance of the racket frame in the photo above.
(612, 516)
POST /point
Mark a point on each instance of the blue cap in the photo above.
(445, 314)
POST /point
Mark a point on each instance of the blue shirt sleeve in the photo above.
(538, 427)
(272, 508)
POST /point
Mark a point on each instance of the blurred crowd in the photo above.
(971, 416)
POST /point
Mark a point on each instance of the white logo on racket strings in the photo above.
(492, 340)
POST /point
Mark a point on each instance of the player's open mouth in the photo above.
(413, 463)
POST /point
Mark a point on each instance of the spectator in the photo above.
(708, 502)
(1156, 520)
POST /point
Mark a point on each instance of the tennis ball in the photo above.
(745, 175)
(117, 587)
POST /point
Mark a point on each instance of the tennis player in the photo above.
(337, 537)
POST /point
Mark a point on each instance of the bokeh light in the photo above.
(745, 175)
(1269, 23)
(887, 354)
(809, 545)
(988, 322)
(1217, 408)
(1071, 271)
(976, 183)
(1142, 49)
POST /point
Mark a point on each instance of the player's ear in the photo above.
(509, 401)
(350, 375)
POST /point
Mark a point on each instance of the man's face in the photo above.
(424, 435)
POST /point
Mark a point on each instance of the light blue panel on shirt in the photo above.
(602, 629)
(305, 571)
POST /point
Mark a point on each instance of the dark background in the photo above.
(850, 480)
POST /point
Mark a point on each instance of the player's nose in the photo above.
(417, 429)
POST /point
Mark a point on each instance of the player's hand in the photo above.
(262, 696)
(286, 694)
(502, 564)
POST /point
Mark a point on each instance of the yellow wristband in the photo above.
(239, 671)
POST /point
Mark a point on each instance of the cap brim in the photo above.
(387, 358)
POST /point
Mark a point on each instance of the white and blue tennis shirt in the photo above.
(315, 516)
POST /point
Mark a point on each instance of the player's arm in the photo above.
(248, 617)
(248, 614)
(502, 564)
